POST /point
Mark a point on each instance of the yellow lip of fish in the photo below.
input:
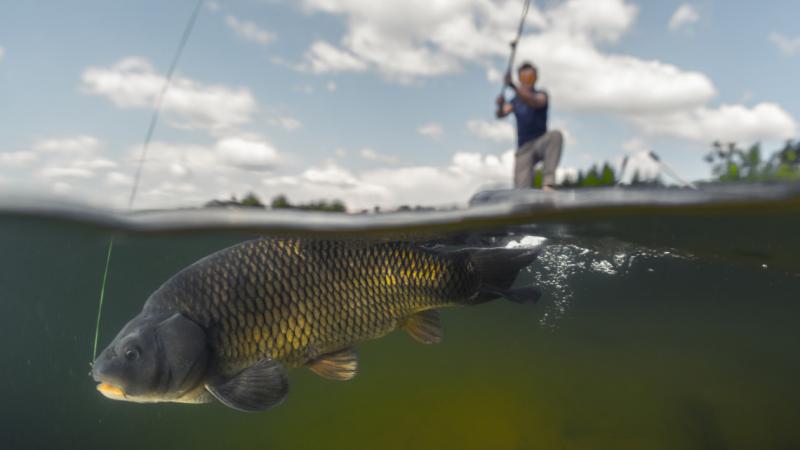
(111, 391)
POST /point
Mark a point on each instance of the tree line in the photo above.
(280, 201)
(729, 163)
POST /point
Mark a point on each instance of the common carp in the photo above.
(229, 325)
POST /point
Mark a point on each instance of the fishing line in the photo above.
(102, 295)
(187, 31)
(513, 55)
(670, 172)
(662, 167)
(160, 99)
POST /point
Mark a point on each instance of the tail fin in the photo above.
(498, 269)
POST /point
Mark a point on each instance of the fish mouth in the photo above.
(111, 391)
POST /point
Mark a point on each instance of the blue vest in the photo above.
(531, 122)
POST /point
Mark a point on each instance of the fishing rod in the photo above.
(526, 5)
(187, 31)
(661, 165)
(669, 171)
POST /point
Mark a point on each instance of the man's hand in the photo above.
(503, 108)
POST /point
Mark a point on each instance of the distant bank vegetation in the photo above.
(599, 176)
(251, 200)
(730, 163)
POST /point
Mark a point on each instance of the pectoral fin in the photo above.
(425, 327)
(340, 366)
(257, 388)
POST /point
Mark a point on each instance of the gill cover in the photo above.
(185, 352)
(154, 358)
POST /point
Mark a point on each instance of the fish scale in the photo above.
(294, 300)
(227, 326)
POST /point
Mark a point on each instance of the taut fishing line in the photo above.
(187, 31)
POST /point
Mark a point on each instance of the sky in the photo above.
(375, 103)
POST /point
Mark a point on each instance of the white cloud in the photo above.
(65, 172)
(61, 188)
(495, 130)
(636, 144)
(330, 175)
(493, 75)
(789, 46)
(94, 164)
(23, 158)
(74, 157)
(581, 78)
(286, 122)
(174, 174)
(212, 6)
(189, 175)
(603, 20)
(432, 130)
(134, 83)
(398, 38)
(178, 174)
(372, 155)
(76, 146)
(453, 183)
(119, 179)
(685, 15)
(2, 53)
(247, 153)
(330, 86)
(727, 123)
(324, 57)
(249, 30)
(407, 39)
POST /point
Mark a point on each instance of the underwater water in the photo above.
(666, 323)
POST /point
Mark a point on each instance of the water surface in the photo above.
(665, 324)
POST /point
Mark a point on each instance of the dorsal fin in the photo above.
(425, 327)
(340, 366)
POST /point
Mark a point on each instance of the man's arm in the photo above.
(534, 99)
(503, 108)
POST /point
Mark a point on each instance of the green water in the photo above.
(633, 346)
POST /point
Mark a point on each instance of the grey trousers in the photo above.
(547, 149)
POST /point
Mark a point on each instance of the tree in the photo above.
(729, 163)
(537, 179)
(608, 177)
(280, 202)
(251, 200)
(592, 178)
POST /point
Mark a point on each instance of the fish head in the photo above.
(154, 358)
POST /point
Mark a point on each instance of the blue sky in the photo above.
(374, 102)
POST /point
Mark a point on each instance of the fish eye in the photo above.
(132, 354)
